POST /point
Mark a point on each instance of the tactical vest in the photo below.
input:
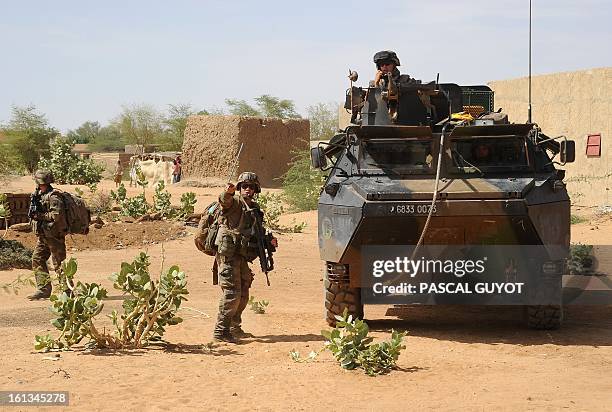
(235, 234)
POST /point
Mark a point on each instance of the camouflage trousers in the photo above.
(54, 247)
(235, 278)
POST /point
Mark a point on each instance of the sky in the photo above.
(80, 61)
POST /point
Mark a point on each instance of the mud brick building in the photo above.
(212, 142)
(578, 105)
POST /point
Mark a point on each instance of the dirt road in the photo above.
(456, 357)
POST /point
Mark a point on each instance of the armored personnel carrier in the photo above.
(433, 164)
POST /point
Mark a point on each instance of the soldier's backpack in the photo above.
(208, 229)
(78, 215)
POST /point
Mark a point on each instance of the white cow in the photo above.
(154, 170)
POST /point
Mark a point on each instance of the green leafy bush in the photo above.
(272, 206)
(161, 200)
(350, 344)
(150, 307)
(120, 195)
(68, 167)
(575, 219)
(258, 306)
(14, 255)
(301, 184)
(188, 201)
(580, 259)
(133, 207)
(5, 211)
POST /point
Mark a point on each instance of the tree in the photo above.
(6, 160)
(109, 139)
(271, 106)
(28, 136)
(26, 118)
(139, 124)
(241, 108)
(323, 120)
(267, 106)
(175, 123)
(85, 133)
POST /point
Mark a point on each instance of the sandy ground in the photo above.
(456, 357)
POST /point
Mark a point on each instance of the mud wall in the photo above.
(19, 204)
(211, 143)
(574, 104)
(109, 161)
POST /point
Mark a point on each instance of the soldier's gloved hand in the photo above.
(231, 189)
(274, 242)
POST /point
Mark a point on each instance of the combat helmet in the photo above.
(384, 57)
(43, 177)
(249, 177)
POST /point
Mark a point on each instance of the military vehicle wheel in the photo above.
(544, 317)
(339, 295)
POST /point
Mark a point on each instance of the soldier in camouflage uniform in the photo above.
(387, 63)
(236, 247)
(49, 225)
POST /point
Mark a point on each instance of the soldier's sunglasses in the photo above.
(248, 186)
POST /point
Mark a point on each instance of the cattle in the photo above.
(154, 170)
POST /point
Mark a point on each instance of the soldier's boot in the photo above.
(237, 331)
(42, 292)
(224, 337)
(222, 332)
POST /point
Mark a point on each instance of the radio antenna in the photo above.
(529, 109)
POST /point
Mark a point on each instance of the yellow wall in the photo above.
(574, 104)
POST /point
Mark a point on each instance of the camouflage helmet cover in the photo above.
(385, 56)
(43, 177)
(249, 177)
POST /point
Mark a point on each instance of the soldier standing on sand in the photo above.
(236, 247)
(50, 227)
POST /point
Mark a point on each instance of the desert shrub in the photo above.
(134, 207)
(161, 200)
(302, 184)
(258, 306)
(137, 206)
(272, 206)
(575, 219)
(120, 195)
(5, 211)
(14, 255)
(149, 308)
(100, 202)
(580, 259)
(68, 167)
(188, 201)
(350, 344)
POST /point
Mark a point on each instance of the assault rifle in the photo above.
(265, 248)
(35, 205)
